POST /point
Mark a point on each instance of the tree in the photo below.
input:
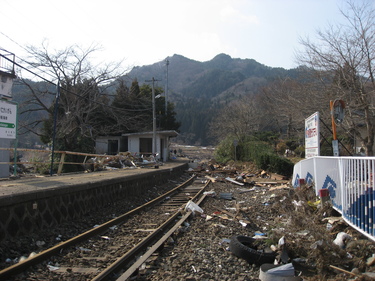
(165, 117)
(287, 102)
(83, 103)
(344, 57)
(239, 119)
(130, 108)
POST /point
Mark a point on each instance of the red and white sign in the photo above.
(312, 136)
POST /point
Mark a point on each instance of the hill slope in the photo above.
(199, 89)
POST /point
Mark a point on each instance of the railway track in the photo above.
(116, 249)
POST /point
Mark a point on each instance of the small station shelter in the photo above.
(136, 143)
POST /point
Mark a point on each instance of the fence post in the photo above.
(61, 164)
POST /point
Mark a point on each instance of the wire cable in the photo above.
(70, 92)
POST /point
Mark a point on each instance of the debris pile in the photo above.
(302, 232)
(120, 161)
(261, 213)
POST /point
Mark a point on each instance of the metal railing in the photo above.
(7, 60)
(350, 182)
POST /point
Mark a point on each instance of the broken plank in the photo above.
(76, 269)
(234, 181)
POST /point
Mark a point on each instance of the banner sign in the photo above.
(8, 120)
(312, 136)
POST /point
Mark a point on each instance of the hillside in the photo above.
(200, 89)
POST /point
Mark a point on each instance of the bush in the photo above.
(225, 151)
(250, 150)
(275, 164)
(247, 150)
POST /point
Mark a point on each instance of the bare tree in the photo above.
(83, 103)
(238, 119)
(288, 102)
(344, 56)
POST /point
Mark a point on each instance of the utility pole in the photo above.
(54, 125)
(166, 88)
(153, 116)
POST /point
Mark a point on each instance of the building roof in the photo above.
(169, 133)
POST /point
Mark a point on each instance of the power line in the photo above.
(66, 90)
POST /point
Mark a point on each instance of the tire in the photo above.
(243, 247)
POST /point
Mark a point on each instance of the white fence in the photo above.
(350, 183)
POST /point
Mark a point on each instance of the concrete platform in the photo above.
(31, 203)
(39, 184)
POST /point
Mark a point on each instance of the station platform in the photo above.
(33, 184)
(32, 203)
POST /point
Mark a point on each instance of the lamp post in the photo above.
(153, 116)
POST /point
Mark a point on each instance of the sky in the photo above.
(143, 32)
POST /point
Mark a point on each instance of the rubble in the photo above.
(303, 229)
(122, 160)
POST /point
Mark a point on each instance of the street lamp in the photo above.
(153, 116)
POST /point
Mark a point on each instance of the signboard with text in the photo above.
(8, 120)
(312, 136)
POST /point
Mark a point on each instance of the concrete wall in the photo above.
(4, 157)
(101, 144)
(24, 213)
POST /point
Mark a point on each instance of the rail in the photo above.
(350, 183)
(100, 229)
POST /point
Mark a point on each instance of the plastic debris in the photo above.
(281, 241)
(316, 244)
(192, 207)
(23, 258)
(244, 224)
(52, 268)
(225, 195)
(84, 249)
(270, 272)
(297, 204)
(210, 193)
(341, 239)
(208, 217)
(283, 270)
(234, 181)
(32, 254)
(40, 243)
(259, 235)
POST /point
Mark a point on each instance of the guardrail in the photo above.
(350, 182)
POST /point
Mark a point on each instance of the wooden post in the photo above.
(61, 164)
(333, 120)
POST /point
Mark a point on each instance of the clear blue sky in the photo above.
(147, 31)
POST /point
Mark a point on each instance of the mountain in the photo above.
(200, 89)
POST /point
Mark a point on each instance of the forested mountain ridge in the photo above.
(200, 89)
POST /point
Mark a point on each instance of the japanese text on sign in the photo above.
(312, 147)
(8, 120)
